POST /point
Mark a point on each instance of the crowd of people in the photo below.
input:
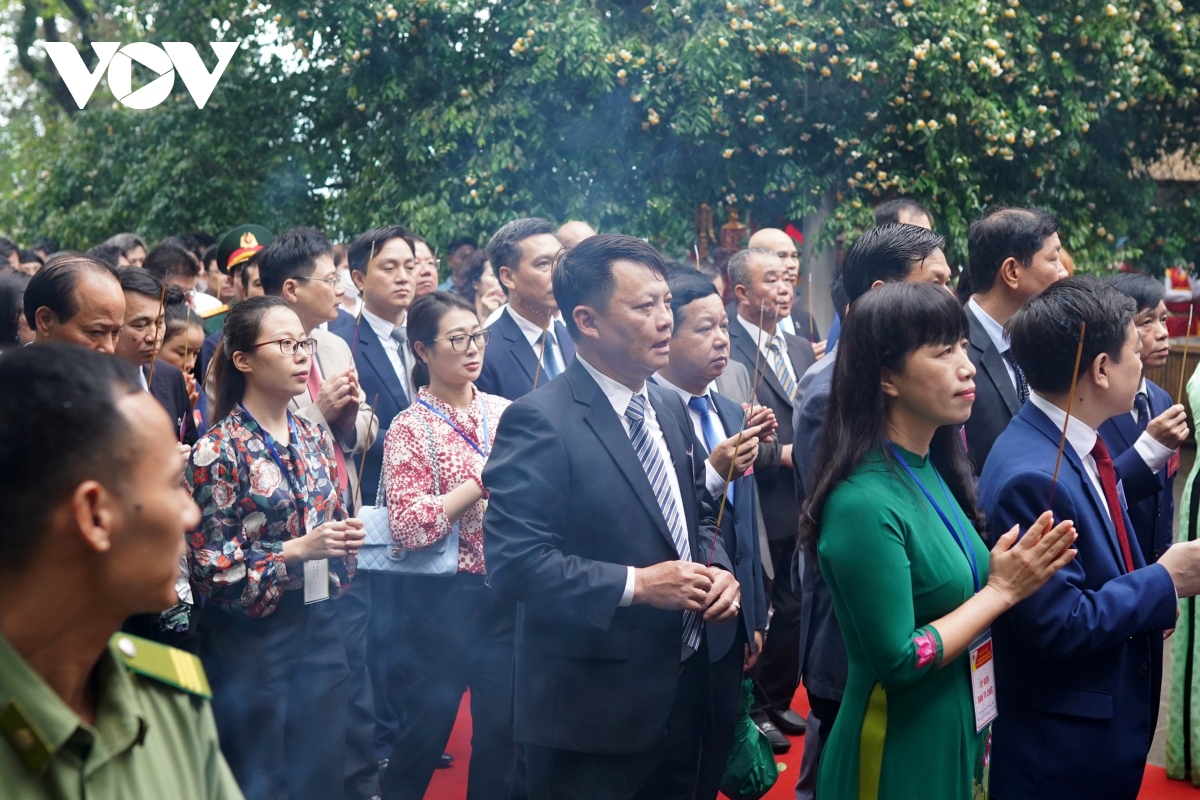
(304, 498)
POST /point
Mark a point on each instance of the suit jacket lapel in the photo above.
(564, 343)
(993, 363)
(749, 348)
(518, 345)
(1127, 428)
(732, 424)
(374, 354)
(611, 432)
(1039, 420)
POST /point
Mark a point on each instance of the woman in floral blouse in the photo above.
(271, 545)
(458, 632)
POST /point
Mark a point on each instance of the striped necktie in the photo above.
(778, 359)
(656, 472)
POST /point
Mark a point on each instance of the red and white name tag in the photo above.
(983, 681)
(1173, 464)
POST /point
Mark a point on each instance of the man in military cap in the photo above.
(92, 463)
(235, 250)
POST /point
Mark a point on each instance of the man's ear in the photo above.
(1009, 274)
(95, 513)
(358, 278)
(288, 291)
(742, 294)
(586, 320)
(44, 320)
(1098, 371)
(505, 276)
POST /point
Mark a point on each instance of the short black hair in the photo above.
(888, 212)
(54, 285)
(461, 241)
(504, 248)
(60, 399)
(140, 281)
(243, 270)
(886, 253)
(7, 248)
(293, 254)
(45, 245)
(108, 253)
(1045, 332)
(1146, 291)
(687, 287)
(583, 276)
(1003, 233)
(372, 241)
(167, 259)
(12, 291)
(186, 242)
(28, 256)
(202, 238)
(465, 281)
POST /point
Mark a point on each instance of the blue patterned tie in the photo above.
(546, 344)
(656, 472)
(782, 370)
(1022, 385)
(1142, 404)
(702, 406)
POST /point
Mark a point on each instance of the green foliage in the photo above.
(455, 116)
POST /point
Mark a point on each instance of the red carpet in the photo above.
(451, 784)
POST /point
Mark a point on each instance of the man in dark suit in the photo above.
(699, 355)
(1075, 661)
(600, 526)
(1013, 253)
(759, 284)
(796, 320)
(886, 254)
(527, 341)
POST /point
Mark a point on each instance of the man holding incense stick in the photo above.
(1075, 662)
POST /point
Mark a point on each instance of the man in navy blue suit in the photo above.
(600, 526)
(527, 341)
(1073, 661)
(383, 267)
(699, 355)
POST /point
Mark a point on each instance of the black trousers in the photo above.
(385, 652)
(668, 771)
(362, 768)
(821, 715)
(459, 633)
(778, 670)
(726, 684)
(279, 697)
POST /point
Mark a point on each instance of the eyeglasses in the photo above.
(459, 343)
(332, 281)
(289, 347)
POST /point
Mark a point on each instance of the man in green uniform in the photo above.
(235, 247)
(91, 462)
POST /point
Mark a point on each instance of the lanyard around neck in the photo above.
(482, 451)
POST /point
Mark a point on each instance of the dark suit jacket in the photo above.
(1076, 663)
(170, 390)
(823, 664)
(804, 327)
(206, 353)
(377, 378)
(570, 509)
(776, 486)
(509, 362)
(995, 396)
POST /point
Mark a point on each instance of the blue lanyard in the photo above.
(483, 451)
(960, 535)
(298, 497)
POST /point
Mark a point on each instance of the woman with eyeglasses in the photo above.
(273, 547)
(458, 632)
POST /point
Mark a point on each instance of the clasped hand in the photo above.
(338, 401)
(688, 586)
(336, 539)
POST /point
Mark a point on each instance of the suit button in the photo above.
(1143, 669)
(737, 560)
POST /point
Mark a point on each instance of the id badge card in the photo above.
(1173, 464)
(983, 681)
(316, 581)
(1121, 495)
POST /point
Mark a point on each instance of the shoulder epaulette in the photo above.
(163, 663)
(212, 312)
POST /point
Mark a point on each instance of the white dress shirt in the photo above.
(1081, 438)
(1153, 452)
(620, 395)
(382, 328)
(533, 333)
(693, 415)
(997, 334)
(787, 325)
(764, 340)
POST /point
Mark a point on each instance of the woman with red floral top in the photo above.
(272, 543)
(457, 631)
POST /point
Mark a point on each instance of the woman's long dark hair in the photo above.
(12, 306)
(242, 329)
(884, 327)
(424, 317)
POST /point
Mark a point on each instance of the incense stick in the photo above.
(754, 383)
(1187, 341)
(162, 301)
(1062, 442)
(362, 463)
(362, 302)
(186, 328)
(812, 337)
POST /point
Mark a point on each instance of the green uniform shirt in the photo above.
(154, 737)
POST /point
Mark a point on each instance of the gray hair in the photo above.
(740, 264)
(126, 242)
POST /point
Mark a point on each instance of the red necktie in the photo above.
(314, 386)
(1108, 479)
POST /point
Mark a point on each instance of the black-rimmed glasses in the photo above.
(289, 347)
(458, 343)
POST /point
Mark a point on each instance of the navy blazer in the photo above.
(1151, 497)
(571, 508)
(509, 362)
(170, 390)
(1076, 662)
(996, 401)
(377, 377)
(739, 534)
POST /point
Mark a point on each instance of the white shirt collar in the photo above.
(1142, 388)
(618, 394)
(759, 335)
(1079, 434)
(532, 332)
(995, 330)
(684, 394)
(382, 327)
